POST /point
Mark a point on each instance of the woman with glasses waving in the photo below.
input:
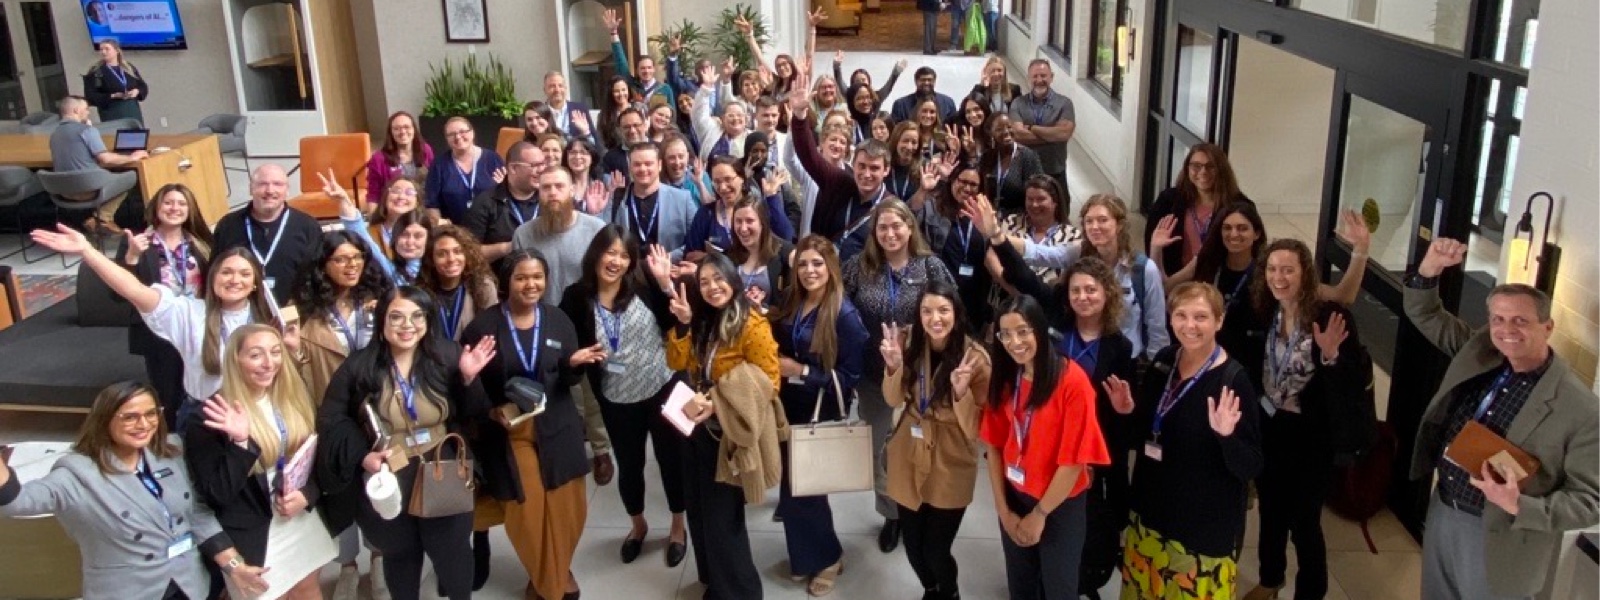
(416, 388)
(1203, 188)
(125, 496)
(940, 375)
(247, 462)
(459, 175)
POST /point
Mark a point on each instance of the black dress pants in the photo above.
(927, 534)
(405, 540)
(716, 524)
(1292, 486)
(630, 425)
(1047, 570)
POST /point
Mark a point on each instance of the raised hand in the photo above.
(773, 183)
(1224, 413)
(679, 305)
(475, 357)
(675, 45)
(799, 104)
(981, 212)
(1162, 237)
(1442, 254)
(961, 376)
(596, 197)
(611, 20)
(137, 244)
(900, 65)
(1328, 340)
(947, 164)
(930, 176)
(580, 120)
(729, 68)
(499, 175)
(756, 295)
(1354, 231)
(659, 264)
(223, 417)
(838, 55)
(587, 356)
(817, 16)
(744, 25)
(891, 349)
(1121, 394)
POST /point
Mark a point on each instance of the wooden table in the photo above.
(203, 174)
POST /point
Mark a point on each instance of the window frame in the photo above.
(1118, 73)
(1058, 30)
(1022, 11)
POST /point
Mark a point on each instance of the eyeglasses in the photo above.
(457, 134)
(345, 261)
(528, 165)
(408, 192)
(1006, 336)
(129, 419)
(967, 182)
(416, 319)
(1207, 167)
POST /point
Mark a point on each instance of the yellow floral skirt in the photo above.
(1157, 568)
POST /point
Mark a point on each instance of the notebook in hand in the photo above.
(1476, 444)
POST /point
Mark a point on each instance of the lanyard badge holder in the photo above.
(611, 323)
(177, 545)
(1014, 472)
(1169, 400)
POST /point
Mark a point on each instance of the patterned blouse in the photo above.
(1289, 367)
(636, 364)
(179, 267)
(1060, 234)
(888, 297)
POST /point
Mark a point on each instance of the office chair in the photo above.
(40, 122)
(230, 132)
(346, 154)
(62, 186)
(18, 184)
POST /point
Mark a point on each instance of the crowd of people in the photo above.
(790, 255)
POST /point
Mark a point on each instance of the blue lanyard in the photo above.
(469, 179)
(1084, 357)
(894, 286)
(1202, 229)
(1494, 390)
(408, 391)
(724, 233)
(154, 487)
(1278, 362)
(1238, 286)
(1000, 171)
(1020, 430)
(283, 443)
(250, 235)
(122, 77)
(850, 211)
(1038, 109)
(452, 318)
(178, 262)
(529, 361)
(966, 239)
(516, 212)
(349, 331)
(799, 328)
(612, 324)
(647, 231)
(923, 399)
(902, 186)
(1170, 399)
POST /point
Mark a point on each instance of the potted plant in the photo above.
(729, 41)
(690, 35)
(485, 92)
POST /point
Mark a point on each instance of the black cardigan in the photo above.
(1196, 493)
(343, 439)
(242, 502)
(1333, 399)
(99, 84)
(577, 302)
(558, 430)
(1167, 203)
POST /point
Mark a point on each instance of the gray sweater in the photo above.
(563, 252)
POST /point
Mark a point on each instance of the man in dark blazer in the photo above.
(1488, 535)
(572, 116)
(281, 238)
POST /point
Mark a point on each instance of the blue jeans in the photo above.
(957, 17)
(992, 20)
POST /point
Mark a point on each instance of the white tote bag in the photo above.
(830, 457)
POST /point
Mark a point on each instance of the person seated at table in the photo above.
(76, 145)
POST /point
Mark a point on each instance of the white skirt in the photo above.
(296, 547)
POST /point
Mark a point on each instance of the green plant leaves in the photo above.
(471, 88)
(729, 41)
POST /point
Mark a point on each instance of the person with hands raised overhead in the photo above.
(242, 457)
(1195, 459)
(643, 82)
(863, 79)
(1043, 438)
(938, 376)
(1490, 532)
(182, 249)
(197, 328)
(416, 387)
(722, 134)
(534, 470)
(727, 347)
(703, 71)
(126, 497)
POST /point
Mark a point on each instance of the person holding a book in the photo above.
(249, 456)
(1493, 528)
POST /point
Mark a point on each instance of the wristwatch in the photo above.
(1416, 281)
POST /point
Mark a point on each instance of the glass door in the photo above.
(1190, 97)
(48, 69)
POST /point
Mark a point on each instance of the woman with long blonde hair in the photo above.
(114, 85)
(245, 459)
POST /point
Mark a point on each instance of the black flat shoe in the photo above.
(675, 553)
(889, 536)
(631, 548)
(480, 560)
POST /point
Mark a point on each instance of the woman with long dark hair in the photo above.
(404, 155)
(1203, 187)
(617, 99)
(1043, 439)
(182, 247)
(613, 303)
(538, 120)
(534, 469)
(334, 297)
(726, 345)
(762, 256)
(941, 378)
(820, 345)
(417, 388)
(1312, 373)
(398, 236)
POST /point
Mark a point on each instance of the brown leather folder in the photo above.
(1477, 444)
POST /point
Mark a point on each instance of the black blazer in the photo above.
(1332, 388)
(558, 431)
(343, 438)
(100, 83)
(577, 302)
(241, 501)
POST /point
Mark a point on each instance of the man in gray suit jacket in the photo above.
(1488, 536)
(648, 211)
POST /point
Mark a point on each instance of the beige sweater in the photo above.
(752, 425)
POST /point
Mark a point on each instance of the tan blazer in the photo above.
(752, 425)
(322, 351)
(941, 468)
(1557, 425)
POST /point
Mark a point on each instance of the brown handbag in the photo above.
(443, 487)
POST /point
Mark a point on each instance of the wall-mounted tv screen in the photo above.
(136, 24)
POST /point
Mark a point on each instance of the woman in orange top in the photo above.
(1042, 439)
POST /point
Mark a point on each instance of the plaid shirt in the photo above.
(1454, 488)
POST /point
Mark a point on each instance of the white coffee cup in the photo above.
(384, 491)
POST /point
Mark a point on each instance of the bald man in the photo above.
(281, 238)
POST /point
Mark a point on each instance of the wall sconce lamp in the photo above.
(1523, 261)
(1127, 38)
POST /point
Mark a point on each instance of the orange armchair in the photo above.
(508, 136)
(346, 154)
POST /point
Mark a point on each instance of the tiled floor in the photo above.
(869, 574)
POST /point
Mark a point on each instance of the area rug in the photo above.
(43, 291)
(897, 27)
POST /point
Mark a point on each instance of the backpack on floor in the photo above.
(1361, 489)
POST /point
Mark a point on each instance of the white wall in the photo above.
(185, 85)
(1560, 154)
(1277, 97)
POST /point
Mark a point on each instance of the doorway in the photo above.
(32, 76)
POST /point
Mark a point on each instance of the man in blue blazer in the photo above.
(650, 212)
(572, 116)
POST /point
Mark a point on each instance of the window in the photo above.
(1109, 22)
(1022, 10)
(1060, 36)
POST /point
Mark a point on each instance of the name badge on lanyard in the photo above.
(1019, 430)
(611, 323)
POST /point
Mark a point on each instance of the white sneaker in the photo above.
(380, 588)
(349, 583)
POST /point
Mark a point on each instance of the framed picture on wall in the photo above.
(466, 21)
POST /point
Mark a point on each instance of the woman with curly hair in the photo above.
(335, 296)
(453, 270)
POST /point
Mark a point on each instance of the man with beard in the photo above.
(906, 107)
(633, 130)
(496, 214)
(1044, 121)
(652, 213)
